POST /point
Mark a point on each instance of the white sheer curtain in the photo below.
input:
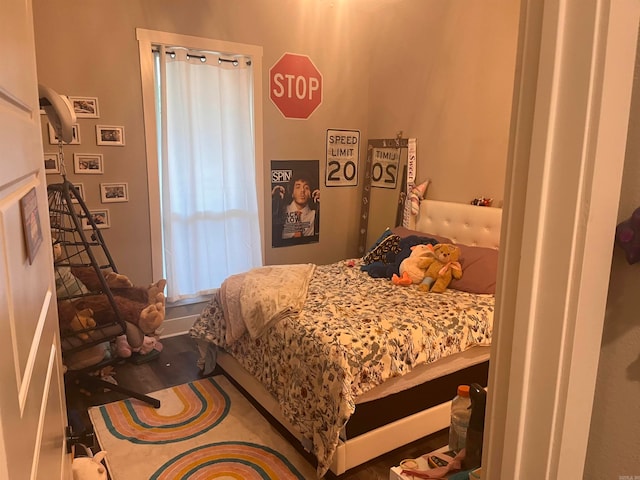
(207, 171)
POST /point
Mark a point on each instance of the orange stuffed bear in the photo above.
(440, 268)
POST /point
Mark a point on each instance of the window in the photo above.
(204, 159)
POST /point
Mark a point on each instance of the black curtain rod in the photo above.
(203, 58)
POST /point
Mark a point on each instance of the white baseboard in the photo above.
(176, 326)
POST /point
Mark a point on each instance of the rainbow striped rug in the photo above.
(204, 430)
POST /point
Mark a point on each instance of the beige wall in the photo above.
(614, 440)
(439, 71)
(442, 72)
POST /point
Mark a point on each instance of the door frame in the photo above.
(574, 78)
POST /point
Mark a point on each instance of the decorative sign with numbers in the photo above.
(343, 158)
(384, 167)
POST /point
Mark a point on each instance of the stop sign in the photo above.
(295, 86)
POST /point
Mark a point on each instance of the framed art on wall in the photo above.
(109, 135)
(85, 107)
(31, 223)
(114, 192)
(88, 163)
(75, 140)
(100, 217)
(80, 188)
(51, 163)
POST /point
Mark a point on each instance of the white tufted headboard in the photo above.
(461, 222)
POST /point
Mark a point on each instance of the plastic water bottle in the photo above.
(460, 414)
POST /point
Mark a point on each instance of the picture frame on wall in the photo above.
(88, 163)
(114, 192)
(31, 223)
(100, 217)
(110, 135)
(75, 139)
(51, 163)
(80, 188)
(85, 107)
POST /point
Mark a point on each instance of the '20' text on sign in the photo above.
(343, 158)
(384, 167)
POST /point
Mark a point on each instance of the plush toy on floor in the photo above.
(124, 350)
(89, 468)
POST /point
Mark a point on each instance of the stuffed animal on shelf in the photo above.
(440, 268)
(89, 278)
(411, 270)
(142, 308)
(74, 320)
(147, 315)
(77, 321)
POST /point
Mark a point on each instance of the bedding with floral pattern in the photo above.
(353, 333)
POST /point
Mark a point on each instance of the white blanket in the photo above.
(255, 300)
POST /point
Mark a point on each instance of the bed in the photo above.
(358, 366)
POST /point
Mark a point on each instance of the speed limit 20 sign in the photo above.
(343, 157)
(384, 167)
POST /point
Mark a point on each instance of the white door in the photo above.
(32, 403)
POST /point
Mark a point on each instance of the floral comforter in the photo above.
(353, 333)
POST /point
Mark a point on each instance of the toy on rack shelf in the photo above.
(142, 308)
(82, 322)
(74, 320)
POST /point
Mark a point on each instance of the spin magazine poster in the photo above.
(295, 202)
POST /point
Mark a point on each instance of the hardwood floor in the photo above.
(176, 364)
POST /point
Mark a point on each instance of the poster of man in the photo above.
(295, 197)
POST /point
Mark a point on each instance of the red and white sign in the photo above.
(295, 86)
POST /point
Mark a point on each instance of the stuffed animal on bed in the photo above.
(440, 268)
(411, 270)
(391, 263)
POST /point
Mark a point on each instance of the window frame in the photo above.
(146, 40)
